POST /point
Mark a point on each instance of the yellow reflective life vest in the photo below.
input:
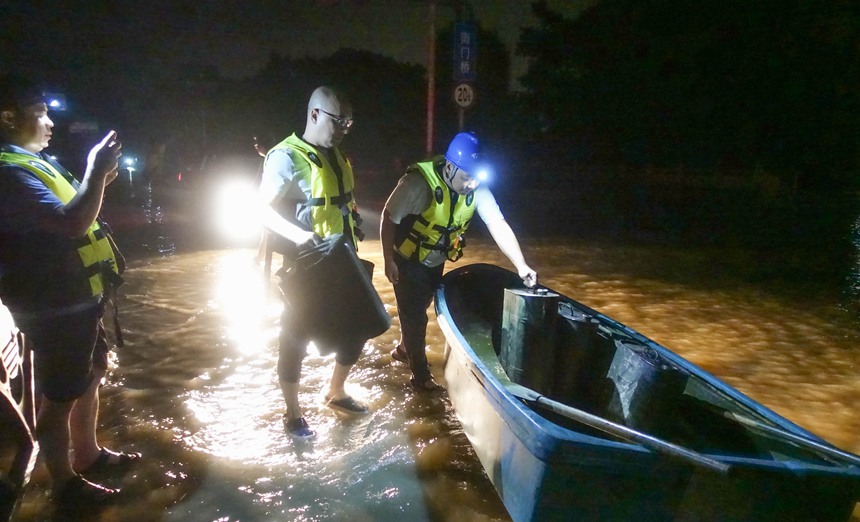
(441, 226)
(331, 199)
(94, 248)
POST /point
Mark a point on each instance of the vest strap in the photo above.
(339, 200)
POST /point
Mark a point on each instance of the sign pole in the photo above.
(431, 79)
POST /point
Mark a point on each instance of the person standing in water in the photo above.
(57, 265)
(307, 194)
(422, 227)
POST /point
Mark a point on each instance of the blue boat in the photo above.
(576, 416)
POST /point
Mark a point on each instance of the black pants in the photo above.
(293, 341)
(414, 293)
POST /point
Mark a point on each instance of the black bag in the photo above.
(331, 293)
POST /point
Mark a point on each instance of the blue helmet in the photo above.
(463, 152)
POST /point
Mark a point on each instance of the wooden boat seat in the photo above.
(17, 414)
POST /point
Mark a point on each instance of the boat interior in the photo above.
(575, 356)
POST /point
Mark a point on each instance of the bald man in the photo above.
(306, 192)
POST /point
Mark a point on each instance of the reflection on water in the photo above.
(152, 204)
(195, 387)
(852, 284)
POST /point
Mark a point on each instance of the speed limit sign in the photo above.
(464, 95)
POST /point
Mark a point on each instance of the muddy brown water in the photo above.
(195, 389)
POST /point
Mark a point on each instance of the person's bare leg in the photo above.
(52, 432)
(338, 381)
(82, 422)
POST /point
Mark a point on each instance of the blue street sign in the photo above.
(465, 52)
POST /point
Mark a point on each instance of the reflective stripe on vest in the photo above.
(94, 248)
(331, 201)
(440, 226)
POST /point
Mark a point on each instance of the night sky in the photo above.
(238, 37)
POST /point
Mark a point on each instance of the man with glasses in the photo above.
(422, 226)
(307, 189)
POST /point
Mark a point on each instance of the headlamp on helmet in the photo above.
(482, 172)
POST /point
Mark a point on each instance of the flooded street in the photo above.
(195, 390)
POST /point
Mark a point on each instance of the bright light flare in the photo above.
(55, 102)
(241, 295)
(482, 171)
(237, 216)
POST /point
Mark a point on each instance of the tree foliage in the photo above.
(769, 84)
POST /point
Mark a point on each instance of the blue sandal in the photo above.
(299, 429)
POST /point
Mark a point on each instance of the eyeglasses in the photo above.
(343, 122)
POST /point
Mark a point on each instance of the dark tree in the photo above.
(751, 106)
(768, 84)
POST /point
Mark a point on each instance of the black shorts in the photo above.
(66, 348)
(294, 336)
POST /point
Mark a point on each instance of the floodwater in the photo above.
(195, 390)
